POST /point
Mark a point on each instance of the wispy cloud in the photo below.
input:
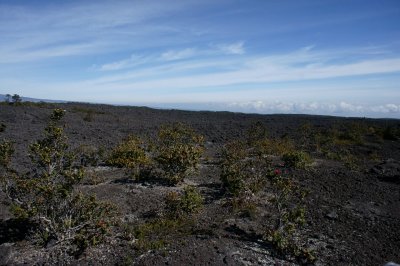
(233, 48)
(38, 33)
(178, 54)
(303, 64)
(132, 61)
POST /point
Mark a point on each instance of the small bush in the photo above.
(244, 205)
(158, 233)
(241, 173)
(47, 196)
(352, 133)
(90, 155)
(178, 221)
(288, 216)
(300, 160)
(257, 132)
(278, 147)
(6, 152)
(89, 113)
(232, 175)
(131, 154)
(306, 134)
(187, 203)
(177, 151)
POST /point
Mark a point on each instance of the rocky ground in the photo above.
(352, 210)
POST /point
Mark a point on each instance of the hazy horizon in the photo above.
(331, 57)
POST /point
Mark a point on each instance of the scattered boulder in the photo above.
(332, 215)
(388, 171)
(5, 252)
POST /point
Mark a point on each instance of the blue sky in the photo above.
(337, 57)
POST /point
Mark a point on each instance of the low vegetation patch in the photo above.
(297, 160)
(47, 196)
(240, 173)
(131, 153)
(288, 215)
(180, 205)
(177, 151)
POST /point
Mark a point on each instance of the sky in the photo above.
(330, 57)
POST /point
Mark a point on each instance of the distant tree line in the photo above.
(13, 99)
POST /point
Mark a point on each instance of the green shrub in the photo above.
(187, 203)
(6, 152)
(177, 151)
(257, 132)
(232, 165)
(89, 113)
(287, 217)
(48, 199)
(90, 155)
(244, 205)
(297, 159)
(306, 135)
(157, 234)
(241, 173)
(131, 154)
(278, 147)
(178, 221)
(352, 133)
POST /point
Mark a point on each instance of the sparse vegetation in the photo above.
(158, 233)
(274, 147)
(88, 113)
(257, 132)
(187, 203)
(47, 196)
(297, 159)
(251, 178)
(282, 229)
(176, 223)
(177, 151)
(90, 155)
(131, 154)
(240, 173)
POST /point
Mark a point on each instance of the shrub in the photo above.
(47, 196)
(88, 113)
(257, 132)
(287, 217)
(158, 233)
(131, 154)
(232, 175)
(241, 173)
(2, 127)
(244, 205)
(352, 133)
(90, 155)
(279, 147)
(298, 159)
(178, 221)
(187, 203)
(177, 151)
(6, 151)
